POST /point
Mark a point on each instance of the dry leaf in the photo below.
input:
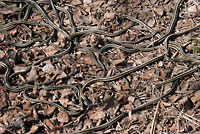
(49, 111)
(84, 19)
(76, 2)
(144, 78)
(62, 75)
(173, 128)
(97, 115)
(33, 129)
(48, 68)
(122, 99)
(19, 68)
(192, 9)
(131, 99)
(63, 117)
(117, 62)
(32, 75)
(87, 1)
(87, 59)
(13, 31)
(35, 114)
(27, 106)
(13, 96)
(50, 50)
(159, 11)
(151, 22)
(137, 103)
(3, 98)
(97, 3)
(2, 54)
(162, 74)
(2, 129)
(109, 16)
(196, 96)
(49, 124)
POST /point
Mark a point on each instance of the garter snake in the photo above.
(172, 24)
(124, 114)
(13, 24)
(179, 76)
(117, 76)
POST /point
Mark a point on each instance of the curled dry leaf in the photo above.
(122, 99)
(145, 77)
(13, 96)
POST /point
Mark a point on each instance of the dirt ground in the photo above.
(23, 44)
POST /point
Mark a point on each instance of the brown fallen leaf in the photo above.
(27, 105)
(35, 114)
(13, 96)
(50, 50)
(49, 111)
(88, 60)
(97, 115)
(3, 98)
(33, 129)
(122, 99)
(32, 75)
(49, 124)
(48, 68)
(76, 2)
(63, 117)
(2, 54)
(109, 16)
(159, 11)
(162, 74)
(151, 22)
(2, 129)
(192, 9)
(137, 103)
(144, 77)
(196, 96)
(117, 62)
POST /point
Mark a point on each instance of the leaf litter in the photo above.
(178, 113)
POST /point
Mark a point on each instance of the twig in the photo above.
(187, 117)
(152, 131)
